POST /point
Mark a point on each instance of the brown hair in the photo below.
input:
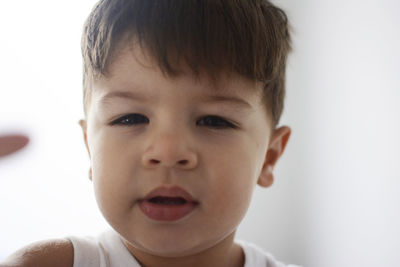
(249, 37)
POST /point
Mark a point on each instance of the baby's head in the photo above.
(182, 99)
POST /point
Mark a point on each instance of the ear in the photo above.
(83, 125)
(275, 150)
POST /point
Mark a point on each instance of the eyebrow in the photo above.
(123, 95)
(227, 99)
(209, 98)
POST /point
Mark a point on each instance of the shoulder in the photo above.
(55, 252)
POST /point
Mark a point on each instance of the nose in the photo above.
(171, 151)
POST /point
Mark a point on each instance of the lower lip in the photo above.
(169, 213)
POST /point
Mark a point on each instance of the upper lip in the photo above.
(174, 191)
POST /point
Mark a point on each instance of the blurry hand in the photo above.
(12, 143)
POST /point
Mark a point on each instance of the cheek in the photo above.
(233, 176)
(110, 158)
(112, 176)
(234, 186)
(238, 163)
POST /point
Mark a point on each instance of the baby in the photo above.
(182, 100)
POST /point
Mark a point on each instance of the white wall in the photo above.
(44, 190)
(335, 199)
(337, 191)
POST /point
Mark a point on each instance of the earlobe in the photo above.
(275, 150)
(266, 178)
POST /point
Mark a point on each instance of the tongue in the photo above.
(168, 200)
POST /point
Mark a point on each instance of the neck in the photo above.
(225, 254)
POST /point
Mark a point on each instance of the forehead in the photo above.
(133, 67)
(134, 76)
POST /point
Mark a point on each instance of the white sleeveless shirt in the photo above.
(107, 250)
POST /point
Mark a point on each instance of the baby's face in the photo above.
(145, 131)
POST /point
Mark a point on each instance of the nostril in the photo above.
(154, 161)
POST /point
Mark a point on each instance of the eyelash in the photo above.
(135, 119)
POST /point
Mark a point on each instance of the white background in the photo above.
(336, 198)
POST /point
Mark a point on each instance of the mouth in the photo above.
(168, 204)
(168, 200)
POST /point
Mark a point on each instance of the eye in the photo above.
(215, 122)
(130, 120)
